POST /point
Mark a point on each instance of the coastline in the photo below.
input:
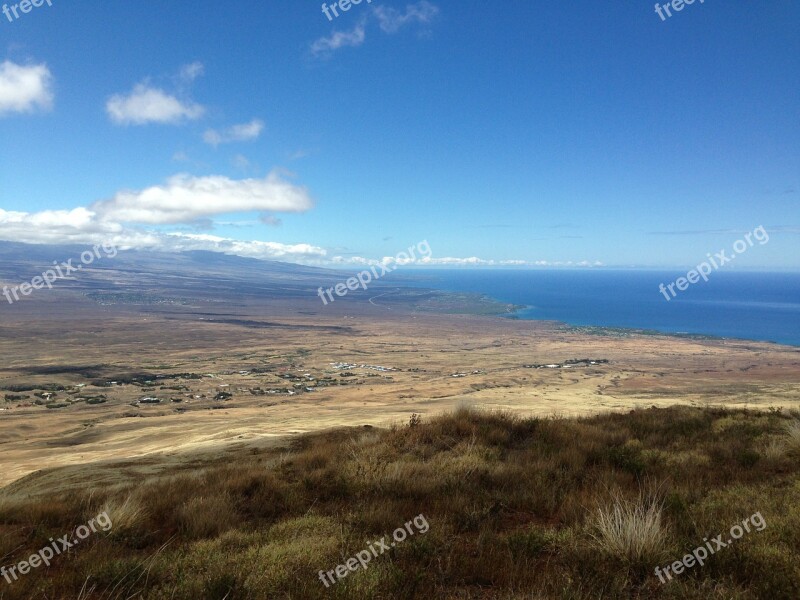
(482, 305)
(724, 315)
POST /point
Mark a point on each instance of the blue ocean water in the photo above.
(747, 305)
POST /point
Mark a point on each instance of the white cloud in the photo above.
(85, 226)
(391, 19)
(146, 104)
(324, 46)
(387, 260)
(186, 199)
(183, 199)
(472, 261)
(236, 133)
(55, 227)
(251, 249)
(191, 71)
(80, 226)
(25, 89)
(149, 104)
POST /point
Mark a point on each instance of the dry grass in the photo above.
(631, 530)
(512, 505)
(128, 513)
(207, 516)
(793, 437)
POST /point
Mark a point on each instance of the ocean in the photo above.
(746, 305)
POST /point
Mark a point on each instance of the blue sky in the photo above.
(533, 133)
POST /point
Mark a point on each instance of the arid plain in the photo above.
(131, 387)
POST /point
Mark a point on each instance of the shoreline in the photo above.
(602, 329)
(594, 329)
(727, 313)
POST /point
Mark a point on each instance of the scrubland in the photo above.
(518, 507)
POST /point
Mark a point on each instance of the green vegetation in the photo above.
(518, 509)
(15, 397)
(622, 332)
(464, 303)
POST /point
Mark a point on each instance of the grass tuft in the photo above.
(793, 438)
(631, 530)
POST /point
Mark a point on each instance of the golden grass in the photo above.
(631, 530)
(517, 507)
(793, 437)
(128, 513)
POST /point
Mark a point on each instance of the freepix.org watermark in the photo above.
(676, 5)
(56, 547)
(59, 271)
(363, 557)
(23, 7)
(718, 260)
(700, 554)
(365, 277)
(343, 5)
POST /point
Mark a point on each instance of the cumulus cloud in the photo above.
(25, 88)
(186, 199)
(251, 249)
(146, 104)
(236, 133)
(85, 226)
(80, 226)
(181, 200)
(123, 220)
(149, 104)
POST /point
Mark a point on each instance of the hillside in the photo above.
(493, 506)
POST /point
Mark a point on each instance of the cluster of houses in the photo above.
(297, 382)
(342, 366)
(568, 364)
(475, 372)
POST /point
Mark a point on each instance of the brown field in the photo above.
(259, 351)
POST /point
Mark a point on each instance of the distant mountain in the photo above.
(136, 277)
(135, 271)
